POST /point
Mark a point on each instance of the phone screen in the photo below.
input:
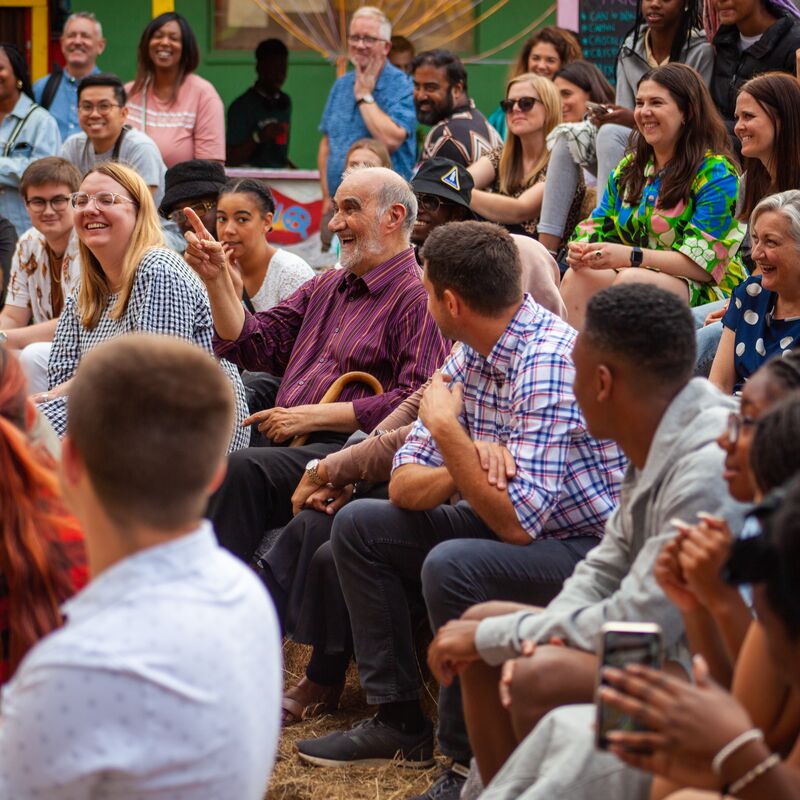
(621, 648)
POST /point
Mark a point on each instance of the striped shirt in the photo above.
(521, 396)
(339, 322)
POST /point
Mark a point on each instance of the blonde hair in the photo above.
(510, 174)
(94, 290)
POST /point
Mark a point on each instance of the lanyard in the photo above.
(12, 140)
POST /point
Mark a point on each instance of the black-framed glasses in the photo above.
(431, 202)
(101, 199)
(102, 107)
(367, 40)
(525, 104)
(736, 424)
(179, 217)
(39, 204)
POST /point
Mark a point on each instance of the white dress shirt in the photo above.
(165, 682)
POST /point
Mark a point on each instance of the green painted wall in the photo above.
(310, 77)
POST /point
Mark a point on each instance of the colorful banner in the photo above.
(294, 220)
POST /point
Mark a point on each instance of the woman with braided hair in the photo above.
(42, 560)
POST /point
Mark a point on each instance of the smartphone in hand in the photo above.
(624, 643)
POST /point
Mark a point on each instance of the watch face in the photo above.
(312, 464)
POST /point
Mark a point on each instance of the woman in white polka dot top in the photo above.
(763, 317)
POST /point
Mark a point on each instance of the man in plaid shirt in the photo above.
(509, 411)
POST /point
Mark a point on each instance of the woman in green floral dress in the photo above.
(667, 216)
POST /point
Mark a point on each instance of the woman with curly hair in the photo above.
(668, 214)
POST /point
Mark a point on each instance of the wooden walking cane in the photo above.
(335, 390)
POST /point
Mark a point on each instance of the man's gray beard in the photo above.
(362, 249)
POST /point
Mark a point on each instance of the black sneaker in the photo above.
(447, 786)
(370, 743)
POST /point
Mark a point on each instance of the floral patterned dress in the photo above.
(704, 228)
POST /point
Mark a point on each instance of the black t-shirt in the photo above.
(255, 111)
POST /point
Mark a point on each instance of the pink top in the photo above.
(193, 126)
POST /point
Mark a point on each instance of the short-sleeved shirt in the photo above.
(463, 137)
(705, 228)
(758, 335)
(137, 149)
(343, 123)
(27, 133)
(64, 107)
(164, 683)
(190, 126)
(32, 284)
(255, 111)
(520, 396)
(286, 273)
(167, 298)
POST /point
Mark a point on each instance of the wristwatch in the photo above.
(3, 337)
(637, 257)
(367, 98)
(311, 472)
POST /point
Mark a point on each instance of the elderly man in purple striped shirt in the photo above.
(371, 316)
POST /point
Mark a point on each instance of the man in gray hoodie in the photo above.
(633, 367)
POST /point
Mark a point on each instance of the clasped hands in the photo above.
(598, 255)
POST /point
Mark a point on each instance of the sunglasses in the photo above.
(179, 218)
(525, 104)
(431, 202)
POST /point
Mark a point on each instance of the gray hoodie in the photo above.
(632, 63)
(615, 583)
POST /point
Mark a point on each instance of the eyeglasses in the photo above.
(431, 202)
(103, 107)
(525, 104)
(736, 424)
(179, 217)
(101, 199)
(39, 204)
(367, 40)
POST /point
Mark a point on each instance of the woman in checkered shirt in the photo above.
(129, 282)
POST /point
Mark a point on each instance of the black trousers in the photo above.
(384, 553)
(255, 496)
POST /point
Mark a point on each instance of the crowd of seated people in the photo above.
(487, 430)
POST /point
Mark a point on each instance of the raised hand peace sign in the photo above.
(204, 254)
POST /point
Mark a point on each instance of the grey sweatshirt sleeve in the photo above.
(606, 586)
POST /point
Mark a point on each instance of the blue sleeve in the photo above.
(736, 306)
(38, 88)
(324, 124)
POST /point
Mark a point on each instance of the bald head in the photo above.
(375, 211)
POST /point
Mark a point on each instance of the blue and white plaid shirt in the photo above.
(521, 396)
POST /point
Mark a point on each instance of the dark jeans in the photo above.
(380, 551)
(300, 574)
(457, 575)
(255, 496)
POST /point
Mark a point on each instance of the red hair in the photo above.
(34, 525)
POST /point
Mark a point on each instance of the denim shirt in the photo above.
(38, 138)
(343, 123)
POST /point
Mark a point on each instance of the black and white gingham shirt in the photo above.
(167, 298)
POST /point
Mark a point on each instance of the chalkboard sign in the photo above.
(603, 25)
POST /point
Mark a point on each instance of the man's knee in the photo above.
(441, 573)
(352, 525)
(553, 676)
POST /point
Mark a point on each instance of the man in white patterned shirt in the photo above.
(511, 403)
(45, 267)
(164, 681)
